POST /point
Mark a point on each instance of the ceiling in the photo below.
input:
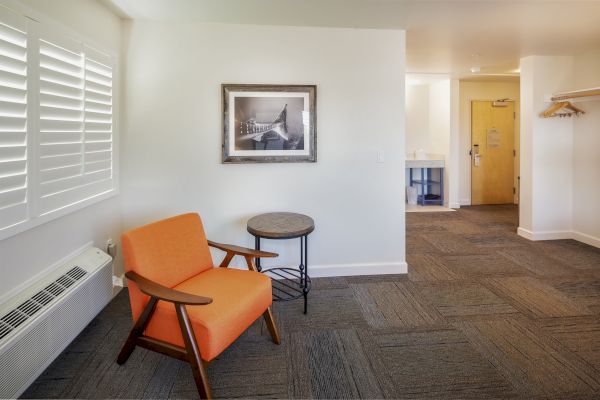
(442, 36)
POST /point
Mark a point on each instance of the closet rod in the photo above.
(575, 94)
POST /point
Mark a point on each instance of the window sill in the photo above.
(53, 215)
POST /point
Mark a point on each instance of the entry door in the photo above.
(492, 147)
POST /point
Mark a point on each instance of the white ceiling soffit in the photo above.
(442, 36)
(332, 13)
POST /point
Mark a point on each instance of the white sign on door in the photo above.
(494, 137)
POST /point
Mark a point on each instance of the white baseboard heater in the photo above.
(38, 323)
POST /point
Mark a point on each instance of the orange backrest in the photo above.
(168, 252)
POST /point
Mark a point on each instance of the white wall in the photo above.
(27, 254)
(586, 153)
(417, 117)
(546, 151)
(454, 157)
(172, 147)
(439, 125)
(428, 121)
(470, 91)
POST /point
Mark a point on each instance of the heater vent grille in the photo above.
(5, 329)
(30, 307)
(42, 298)
(35, 329)
(76, 273)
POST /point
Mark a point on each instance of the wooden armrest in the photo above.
(164, 293)
(242, 251)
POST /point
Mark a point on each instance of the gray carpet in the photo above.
(482, 313)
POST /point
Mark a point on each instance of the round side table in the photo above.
(288, 283)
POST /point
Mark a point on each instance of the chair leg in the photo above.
(268, 315)
(136, 331)
(200, 376)
(127, 348)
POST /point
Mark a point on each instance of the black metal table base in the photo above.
(289, 283)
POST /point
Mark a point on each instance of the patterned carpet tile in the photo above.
(584, 291)
(536, 262)
(449, 243)
(377, 278)
(580, 334)
(428, 267)
(418, 245)
(535, 298)
(327, 309)
(471, 266)
(532, 361)
(462, 227)
(424, 227)
(337, 282)
(437, 364)
(573, 253)
(482, 313)
(463, 299)
(493, 241)
(393, 305)
(253, 366)
(330, 365)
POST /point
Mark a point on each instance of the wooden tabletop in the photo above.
(280, 225)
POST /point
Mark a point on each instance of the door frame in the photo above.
(516, 145)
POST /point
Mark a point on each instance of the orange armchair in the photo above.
(184, 307)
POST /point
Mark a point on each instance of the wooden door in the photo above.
(492, 147)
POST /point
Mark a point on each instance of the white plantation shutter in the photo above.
(61, 86)
(75, 124)
(13, 120)
(56, 123)
(98, 135)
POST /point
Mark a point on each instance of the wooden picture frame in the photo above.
(269, 123)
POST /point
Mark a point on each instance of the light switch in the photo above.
(380, 156)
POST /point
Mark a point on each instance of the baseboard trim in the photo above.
(331, 270)
(544, 235)
(587, 239)
(321, 271)
(526, 233)
(558, 235)
(455, 205)
(119, 280)
(465, 202)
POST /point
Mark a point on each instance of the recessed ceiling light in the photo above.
(476, 69)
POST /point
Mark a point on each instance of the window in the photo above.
(13, 123)
(56, 124)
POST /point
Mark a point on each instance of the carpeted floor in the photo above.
(482, 313)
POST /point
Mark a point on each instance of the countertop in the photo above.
(429, 162)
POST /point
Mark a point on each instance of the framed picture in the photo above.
(269, 123)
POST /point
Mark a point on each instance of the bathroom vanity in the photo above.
(427, 175)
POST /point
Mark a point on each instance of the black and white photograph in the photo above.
(269, 123)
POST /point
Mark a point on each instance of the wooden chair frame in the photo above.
(190, 353)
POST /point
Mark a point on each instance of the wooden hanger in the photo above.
(562, 105)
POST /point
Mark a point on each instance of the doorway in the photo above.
(492, 152)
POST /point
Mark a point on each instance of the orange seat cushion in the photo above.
(239, 298)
